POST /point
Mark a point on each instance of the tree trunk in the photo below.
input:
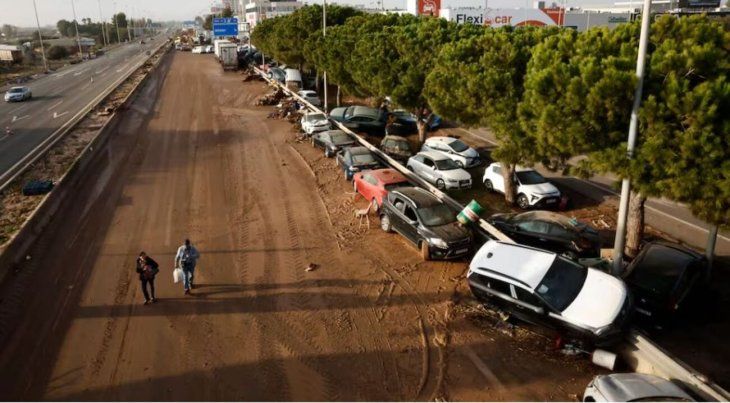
(316, 80)
(635, 225)
(508, 175)
(422, 129)
(339, 96)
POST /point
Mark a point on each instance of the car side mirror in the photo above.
(433, 167)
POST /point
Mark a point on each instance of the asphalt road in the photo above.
(59, 96)
(664, 215)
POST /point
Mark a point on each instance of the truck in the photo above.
(228, 56)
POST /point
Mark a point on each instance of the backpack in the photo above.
(187, 261)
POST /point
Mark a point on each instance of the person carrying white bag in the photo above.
(186, 259)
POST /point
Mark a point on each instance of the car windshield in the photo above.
(314, 117)
(362, 159)
(398, 145)
(341, 138)
(562, 283)
(446, 165)
(659, 269)
(458, 146)
(530, 178)
(15, 90)
(437, 215)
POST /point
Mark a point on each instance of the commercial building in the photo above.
(254, 11)
(12, 54)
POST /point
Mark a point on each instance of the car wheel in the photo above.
(523, 202)
(425, 252)
(488, 184)
(375, 205)
(460, 164)
(327, 153)
(385, 223)
(440, 184)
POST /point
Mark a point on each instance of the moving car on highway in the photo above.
(550, 231)
(356, 159)
(533, 190)
(440, 170)
(331, 141)
(426, 222)
(633, 387)
(662, 277)
(361, 119)
(18, 94)
(374, 185)
(457, 150)
(314, 122)
(550, 290)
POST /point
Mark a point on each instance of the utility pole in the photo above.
(324, 33)
(103, 25)
(40, 37)
(116, 21)
(620, 241)
(76, 23)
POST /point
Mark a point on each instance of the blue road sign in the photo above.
(225, 26)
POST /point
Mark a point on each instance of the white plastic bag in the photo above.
(177, 275)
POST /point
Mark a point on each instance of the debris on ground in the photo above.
(272, 98)
(312, 267)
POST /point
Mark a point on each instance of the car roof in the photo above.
(434, 155)
(17, 88)
(518, 168)
(388, 176)
(358, 150)
(631, 386)
(419, 197)
(365, 111)
(441, 139)
(333, 132)
(549, 216)
(512, 262)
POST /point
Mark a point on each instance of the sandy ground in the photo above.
(198, 160)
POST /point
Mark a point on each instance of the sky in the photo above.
(20, 12)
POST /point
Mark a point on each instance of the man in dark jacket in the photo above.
(147, 269)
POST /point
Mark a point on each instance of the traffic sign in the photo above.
(225, 26)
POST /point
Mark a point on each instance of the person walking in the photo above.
(147, 269)
(186, 259)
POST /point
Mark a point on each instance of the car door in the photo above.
(496, 178)
(428, 171)
(397, 219)
(533, 233)
(410, 230)
(416, 164)
(343, 159)
(559, 238)
(529, 307)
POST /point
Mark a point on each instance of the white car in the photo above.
(533, 190)
(440, 170)
(547, 289)
(633, 387)
(18, 94)
(209, 49)
(457, 150)
(198, 49)
(315, 122)
(311, 97)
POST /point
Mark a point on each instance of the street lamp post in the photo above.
(324, 33)
(116, 21)
(103, 25)
(76, 23)
(620, 241)
(40, 37)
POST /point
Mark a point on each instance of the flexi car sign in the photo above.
(503, 17)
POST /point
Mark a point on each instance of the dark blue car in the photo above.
(356, 159)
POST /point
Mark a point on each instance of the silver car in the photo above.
(18, 94)
(633, 387)
(437, 168)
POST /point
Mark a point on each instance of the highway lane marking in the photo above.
(16, 118)
(55, 105)
(78, 73)
(611, 191)
(58, 115)
(15, 110)
(119, 70)
(102, 70)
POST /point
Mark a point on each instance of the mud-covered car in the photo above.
(426, 222)
(331, 141)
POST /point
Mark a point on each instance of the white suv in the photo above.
(533, 190)
(545, 288)
(314, 122)
(440, 170)
(457, 150)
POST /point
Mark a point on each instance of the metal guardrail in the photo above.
(36, 153)
(640, 353)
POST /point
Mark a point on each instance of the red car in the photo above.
(374, 185)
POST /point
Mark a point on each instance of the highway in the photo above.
(59, 96)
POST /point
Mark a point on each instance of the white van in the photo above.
(293, 79)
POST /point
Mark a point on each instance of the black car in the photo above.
(361, 119)
(425, 221)
(401, 122)
(331, 141)
(550, 231)
(356, 159)
(397, 148)
(662, 276)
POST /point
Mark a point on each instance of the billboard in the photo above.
(429, 7)
(225, 26)
(494, 17)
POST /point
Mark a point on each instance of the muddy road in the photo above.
(195, 158)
